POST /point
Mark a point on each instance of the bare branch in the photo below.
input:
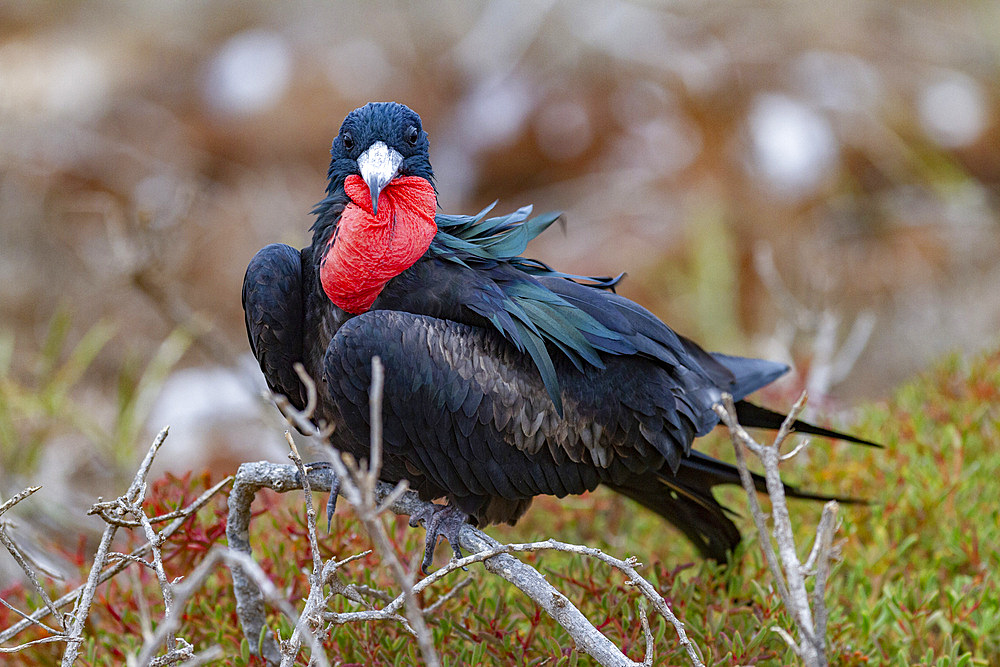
(852, 347)
(197, 578)
(26, 568)
(82, 609)
(825, 555)
(496, 557)
(74, 595)
(207, 656)
(648, 661)
(798, 448)
(360, 486)
(15, 499)
(133, 495)
(402, 487)
(166, 588)
(22, 561)
(365, 590)
(342, 618)
(727, 413)
(182, 651)
(29, 619)
(790, 575)
(315, 602)
(447, 596)
(43, 640)
(827, 524)
(310, 510)
(787, 425)
(310, 386)
(375, 417)
(141, 562)
(829, 365)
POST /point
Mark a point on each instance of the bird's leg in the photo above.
(331, 503)
(440, 521)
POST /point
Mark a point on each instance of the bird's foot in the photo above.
(441, 521)
(331, 503)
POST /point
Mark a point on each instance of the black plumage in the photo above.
(505, 379)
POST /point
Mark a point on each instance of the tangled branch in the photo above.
(358, 482)
(370, 498)
(123, 512)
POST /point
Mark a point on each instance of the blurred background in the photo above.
(809, 181)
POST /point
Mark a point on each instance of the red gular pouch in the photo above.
(367, 250)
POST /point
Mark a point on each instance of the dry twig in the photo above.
(829, 365)
(307, 622)
(114, 513)
(134, 495)
(192, 583)
(22, 561)
(18, 497)
(789, 575)
(360, 486)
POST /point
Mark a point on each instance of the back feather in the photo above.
(526, 311)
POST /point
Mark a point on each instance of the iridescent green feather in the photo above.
(528, 313)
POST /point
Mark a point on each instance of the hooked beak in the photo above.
(378, 165)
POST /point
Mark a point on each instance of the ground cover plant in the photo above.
(915, 585)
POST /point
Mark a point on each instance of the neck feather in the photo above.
(367, 251)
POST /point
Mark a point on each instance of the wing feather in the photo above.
(509, 436)
(273, 309)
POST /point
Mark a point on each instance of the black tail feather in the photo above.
(686, 501)
(706, 472)
(693, 510)
(755, 416)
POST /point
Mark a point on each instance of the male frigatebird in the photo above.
(505, 379)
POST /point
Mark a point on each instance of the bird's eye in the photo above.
(348, 141)
(412, 135)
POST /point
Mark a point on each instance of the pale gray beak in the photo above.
(378, 166)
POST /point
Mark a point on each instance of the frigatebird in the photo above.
(505, 378)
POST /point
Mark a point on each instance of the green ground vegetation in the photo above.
(917, 582)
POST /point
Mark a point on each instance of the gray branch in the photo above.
(134, 495)
(790, 574)
(16, 498)
(361, 487)
(495, 556)
(35, 617)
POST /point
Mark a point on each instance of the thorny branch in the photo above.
(360, 486)
(790, 575)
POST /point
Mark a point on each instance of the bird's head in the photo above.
(379, 142)
(379, 214)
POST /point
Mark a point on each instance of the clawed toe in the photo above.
(442, 521)
(331, 502)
